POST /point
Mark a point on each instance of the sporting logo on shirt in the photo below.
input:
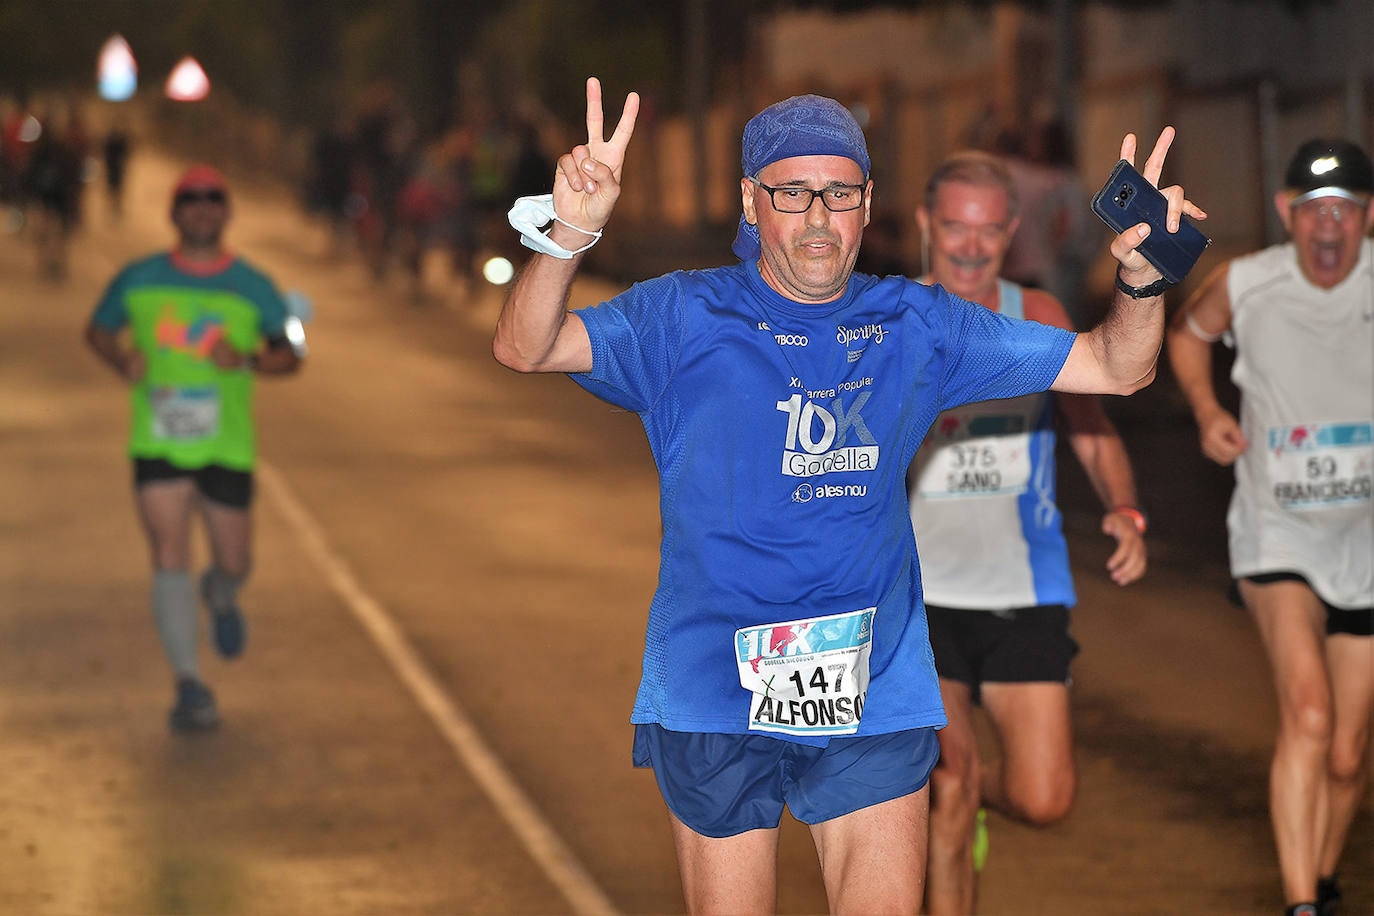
(873, 332)
(861, 335)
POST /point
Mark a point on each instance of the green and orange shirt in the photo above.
(186, 410)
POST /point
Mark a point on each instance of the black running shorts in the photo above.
(1356, 622)
(1023, 645)
(216, 483)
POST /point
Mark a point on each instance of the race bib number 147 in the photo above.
(807, 677)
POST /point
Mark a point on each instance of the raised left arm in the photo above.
(1120, 355)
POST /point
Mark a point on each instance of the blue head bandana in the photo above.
(804, 125)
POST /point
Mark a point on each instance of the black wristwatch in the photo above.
(1142, 292)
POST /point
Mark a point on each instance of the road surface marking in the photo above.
(538, 836)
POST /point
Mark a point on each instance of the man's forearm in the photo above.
(535, 313)
(108, 348)
(1110, 473)
(1128, 340)
(277, 360)
(1191, 361)
(1098, 447)
(532, 315)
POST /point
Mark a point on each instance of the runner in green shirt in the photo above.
(188, 329)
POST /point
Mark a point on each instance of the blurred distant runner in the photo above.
(188, 329)
(994, 564)
(53, 182)
(786, 660)
(1301, 317)
(331, 165)
(115, 150)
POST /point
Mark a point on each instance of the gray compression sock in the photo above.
(174, 609)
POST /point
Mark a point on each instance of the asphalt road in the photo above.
(453, 569)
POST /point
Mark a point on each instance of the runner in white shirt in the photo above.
(1301, 522)
(994, 565)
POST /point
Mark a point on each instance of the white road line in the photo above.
(538, 836)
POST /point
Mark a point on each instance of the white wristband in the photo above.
(1198, 331)
(531, 213)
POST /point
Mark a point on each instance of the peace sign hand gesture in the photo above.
(587, 183)
(1135, 270)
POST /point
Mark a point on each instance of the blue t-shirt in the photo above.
(782, 432)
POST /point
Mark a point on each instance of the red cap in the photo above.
(201, 178)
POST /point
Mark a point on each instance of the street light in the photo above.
(116, 71)
(187, 82)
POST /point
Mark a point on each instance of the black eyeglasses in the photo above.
(837, 198)
(199, 197)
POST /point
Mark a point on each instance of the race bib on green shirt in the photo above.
(184, 414)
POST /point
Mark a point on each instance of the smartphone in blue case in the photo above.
(1127, 199)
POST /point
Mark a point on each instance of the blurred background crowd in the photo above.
(409, 126)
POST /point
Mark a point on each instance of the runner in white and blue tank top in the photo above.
(994, 564)
(985, 476)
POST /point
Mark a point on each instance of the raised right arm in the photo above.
(536, 332)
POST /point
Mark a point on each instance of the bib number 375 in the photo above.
(807, 677)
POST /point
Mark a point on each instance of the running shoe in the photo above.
(226, 623)
(195, 707)
(1328, 896)
(980, 840)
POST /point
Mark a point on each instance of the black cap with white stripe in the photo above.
(1330, 168)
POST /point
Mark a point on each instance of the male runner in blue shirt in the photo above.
(786, 659)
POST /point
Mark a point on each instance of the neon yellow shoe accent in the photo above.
(980, 840)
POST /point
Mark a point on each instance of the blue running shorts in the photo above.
(723, 785)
